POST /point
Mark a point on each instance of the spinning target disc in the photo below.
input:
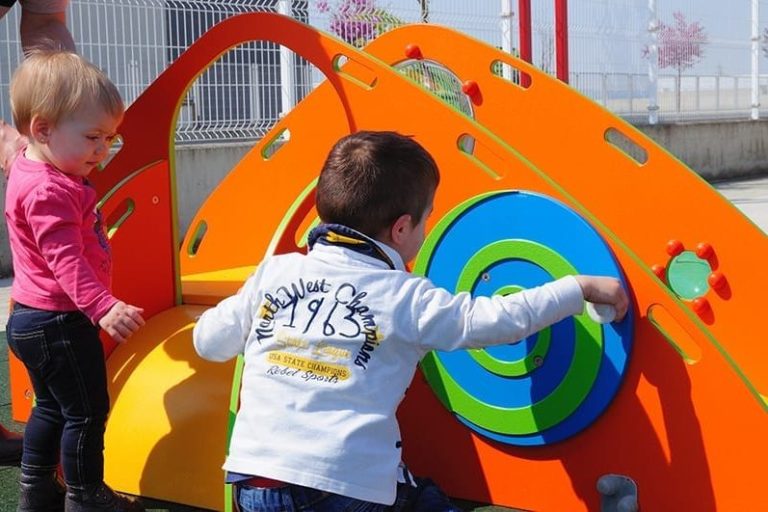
(556, 382)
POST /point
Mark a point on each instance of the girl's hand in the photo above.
(122, 321)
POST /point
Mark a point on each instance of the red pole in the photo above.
(526, 48)
(561, 38)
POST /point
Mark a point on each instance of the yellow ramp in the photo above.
(166, 436)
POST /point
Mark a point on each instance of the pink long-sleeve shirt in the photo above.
(61, 256)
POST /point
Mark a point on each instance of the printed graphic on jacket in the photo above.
(305, 310)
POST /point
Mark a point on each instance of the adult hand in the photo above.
(11, 141)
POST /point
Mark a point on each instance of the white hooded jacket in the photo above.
(331, 341)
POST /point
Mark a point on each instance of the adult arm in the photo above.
(11, 141)
(45, 24)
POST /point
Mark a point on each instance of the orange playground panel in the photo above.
(674, 389)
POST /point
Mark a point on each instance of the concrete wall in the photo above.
(718, 150)
(198, 170)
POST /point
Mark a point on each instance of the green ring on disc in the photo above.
(568, 394)
(521, 366)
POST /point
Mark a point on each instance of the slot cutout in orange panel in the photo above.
(197, 238)
(674, 333)
(354, 71)
(482, 155)
(276, 143)
(626, 145)
(311, 220)
(511, 74)
(119, 215)
(115, 147)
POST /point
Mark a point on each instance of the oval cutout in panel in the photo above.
(511, 74)
(674, 333)
(115, 147)
(310, 221)
(626, 145)
(119, 215)
(197, 238)
(466, 144)
(483, 156)
(354, 71)
(303, 236)
(276, 143)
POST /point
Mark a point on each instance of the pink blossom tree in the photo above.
(765, 42)
(358, 21)
(681, 46)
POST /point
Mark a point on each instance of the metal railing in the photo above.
(679, 98)
(251, 86)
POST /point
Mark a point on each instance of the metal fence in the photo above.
(619, 55)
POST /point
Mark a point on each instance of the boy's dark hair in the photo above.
(371, 178)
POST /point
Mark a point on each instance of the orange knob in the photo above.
(412, 51)
(716, 280)
(675, 247)
(470, 88)
(704, 251)
(700, 305)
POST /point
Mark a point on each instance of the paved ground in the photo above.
(750, 196)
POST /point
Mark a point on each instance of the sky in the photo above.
(609, 35)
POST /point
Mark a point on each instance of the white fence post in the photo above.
(653, 63)
(755, 60)
(287, 80)
(506, 34)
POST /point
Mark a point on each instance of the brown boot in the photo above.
(96, 498)
(11, 447)
(41, 493)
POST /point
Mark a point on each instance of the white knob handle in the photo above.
(601, 313)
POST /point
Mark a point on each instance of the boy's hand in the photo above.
(605, 290)
(122, 321)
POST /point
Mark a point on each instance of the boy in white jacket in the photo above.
(331, 339)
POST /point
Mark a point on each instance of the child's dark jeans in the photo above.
(65, 360)
(424, 497)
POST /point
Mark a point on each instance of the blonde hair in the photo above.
(55, 84)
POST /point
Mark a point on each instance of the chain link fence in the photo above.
(673, 60)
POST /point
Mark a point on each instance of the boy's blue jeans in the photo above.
(65, 361)
(426, 497)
